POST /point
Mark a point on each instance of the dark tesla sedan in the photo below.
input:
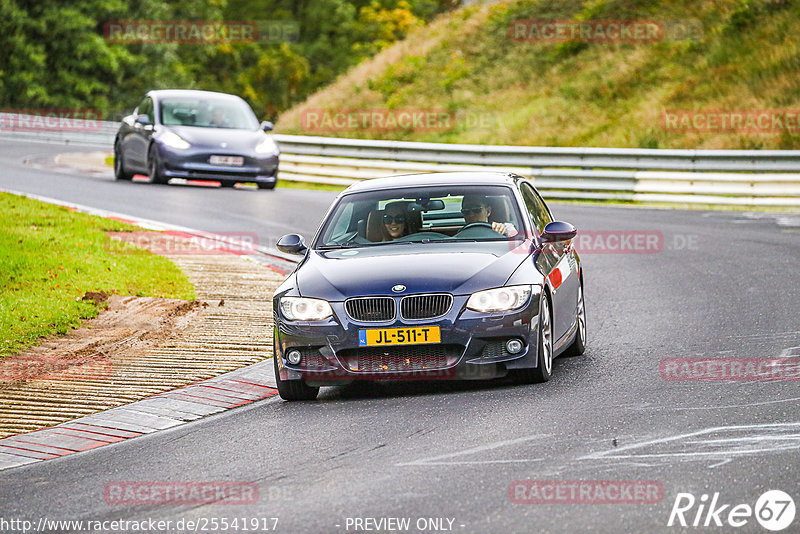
(196, 135)
(430, 276)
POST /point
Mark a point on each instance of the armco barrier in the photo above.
(744, 177)
(741, 177)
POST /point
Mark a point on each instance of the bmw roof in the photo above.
(435, 178)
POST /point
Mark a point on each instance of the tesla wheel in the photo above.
(267, 185)
(579, 345)
(119, 166)
(152, 167)
(293, 390)
(544, 359)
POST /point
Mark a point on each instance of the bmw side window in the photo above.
(539, 217)
(342, 225)
(548, 218)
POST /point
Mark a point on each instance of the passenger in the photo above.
(476, 209)
(394, 221)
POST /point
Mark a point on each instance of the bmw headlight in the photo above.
(267, 146)
(500, 299)
(305, 309)
(173, 140)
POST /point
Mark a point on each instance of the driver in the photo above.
(218, 119)
(476, 209)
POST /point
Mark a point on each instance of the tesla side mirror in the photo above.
(143, 119)
(267, 126)
(558, 231)
(292, 244)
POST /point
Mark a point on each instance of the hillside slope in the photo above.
(740, 56)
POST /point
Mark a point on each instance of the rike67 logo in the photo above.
(774, 510)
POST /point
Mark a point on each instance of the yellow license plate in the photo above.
(399, 336)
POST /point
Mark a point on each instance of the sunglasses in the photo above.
(474, 211)
(387, 219)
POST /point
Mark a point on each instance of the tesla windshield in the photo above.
(207, 113)
(465, 213)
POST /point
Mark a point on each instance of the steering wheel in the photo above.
(476, 225)
(477, 230)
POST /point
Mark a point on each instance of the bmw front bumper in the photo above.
(472, 347)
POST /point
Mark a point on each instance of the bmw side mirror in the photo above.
(143, 119)
(267, 126)
(558, 231)
(292, 244)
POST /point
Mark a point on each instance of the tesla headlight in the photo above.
(305, 309)
(500, 299)
(267, 146)
(173, 140)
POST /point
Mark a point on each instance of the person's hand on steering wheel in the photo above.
(504, 229)
(500, 228)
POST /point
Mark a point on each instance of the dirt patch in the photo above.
(127, 324)
(140, 347)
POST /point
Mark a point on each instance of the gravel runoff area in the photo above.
(141, 347)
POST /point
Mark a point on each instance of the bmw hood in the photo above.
(458, 268)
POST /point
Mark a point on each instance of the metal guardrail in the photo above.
(741, 177)
(35, 128)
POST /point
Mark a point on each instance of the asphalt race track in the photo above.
(717, 285)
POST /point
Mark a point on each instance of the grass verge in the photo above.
(51, 256)
(291, 184)
(735, 55)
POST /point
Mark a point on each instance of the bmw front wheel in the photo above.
(293, 390)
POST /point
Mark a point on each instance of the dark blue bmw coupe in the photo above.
(429, 276)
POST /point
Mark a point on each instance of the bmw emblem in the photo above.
(399, 288)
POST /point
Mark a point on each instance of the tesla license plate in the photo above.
(399, 336)
(233, 161)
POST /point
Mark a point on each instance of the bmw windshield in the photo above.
(420, 215)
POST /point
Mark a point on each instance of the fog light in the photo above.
(514, 346)
(294, 357)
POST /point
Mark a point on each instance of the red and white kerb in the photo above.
(559, 273)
